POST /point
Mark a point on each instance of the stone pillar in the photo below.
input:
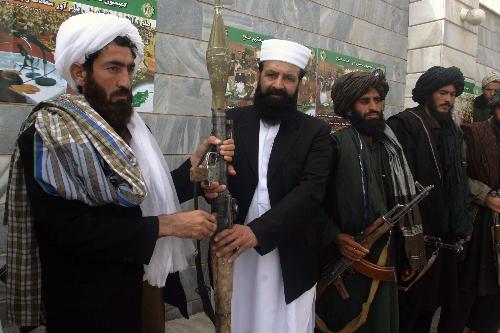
(438, 37)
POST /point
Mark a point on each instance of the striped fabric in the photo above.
(404, 191)
(78, 156)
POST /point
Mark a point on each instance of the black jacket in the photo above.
(297, 173)
(424, 161)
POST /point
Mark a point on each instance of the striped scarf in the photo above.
(404, 191)
(77, 156)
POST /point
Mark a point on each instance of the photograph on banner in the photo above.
(28, 30)
(332, 65)
(314, 91)
(244, 47)
(463, 107)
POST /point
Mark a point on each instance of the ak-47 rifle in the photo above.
(496, 236)
(332, 272)
(224, 205)
(437, 243)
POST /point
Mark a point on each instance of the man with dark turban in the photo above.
(91, 207)
(369, 175)
(480, 290)
(433, 145)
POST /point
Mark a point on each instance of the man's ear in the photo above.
(79, 74)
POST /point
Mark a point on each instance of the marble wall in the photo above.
(374, 30)
(438, 36)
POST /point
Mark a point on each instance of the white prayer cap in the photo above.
(83, 34)
(284, 50)
(490, 77)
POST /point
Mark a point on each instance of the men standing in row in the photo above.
(480, 290)
(481, 109)
(369, 175)
(433, 145)
(90, 197)
(282, 164)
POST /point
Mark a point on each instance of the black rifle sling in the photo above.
(202, 288)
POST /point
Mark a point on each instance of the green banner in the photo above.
(145, 8)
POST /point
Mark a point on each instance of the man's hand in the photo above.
(492, 203)
(226, 150)
(196, 224)
(234, 241)
(349, 248)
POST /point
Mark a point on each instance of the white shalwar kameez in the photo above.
(258, 303)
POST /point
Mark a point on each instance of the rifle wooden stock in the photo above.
(374, 271)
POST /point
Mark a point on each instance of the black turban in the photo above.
(348, 88)
(435, 78)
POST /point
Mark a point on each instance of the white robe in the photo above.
(258, 303)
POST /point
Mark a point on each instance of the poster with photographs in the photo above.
(314, 91)
(28, 30)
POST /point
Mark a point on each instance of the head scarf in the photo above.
(84, 34)
(490, 77)
(349, 87)
(435, 78)
(284, 50)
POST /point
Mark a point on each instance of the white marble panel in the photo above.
(489, 39)
(426, 11)
(426, 34)
(182, 96)
(492, 20)
(180, 56)
(488, 57)
(4, 176)
(460, 38)
(172, 16)
(470, 3)
(409, 103)
(178, 134)
(396, 94)
(11, 118)
(465, 62)
(419, 60)
(411, 80)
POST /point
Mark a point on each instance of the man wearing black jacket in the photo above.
(282, 165)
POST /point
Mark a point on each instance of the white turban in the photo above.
(491, 77)
(284, 50)
(84, 34)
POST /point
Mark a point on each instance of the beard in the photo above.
(372, 127)
(440, 116)
(116, 114)
(272, 106)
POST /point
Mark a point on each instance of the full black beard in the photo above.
(116, 114)
(273, 105)
(442, 118)
(374, 127)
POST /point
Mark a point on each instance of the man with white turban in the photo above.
(282, 162)
(481, 109)
(90, 198)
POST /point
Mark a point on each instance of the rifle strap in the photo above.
(421, 273)
(358, 321)
(202, 288)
